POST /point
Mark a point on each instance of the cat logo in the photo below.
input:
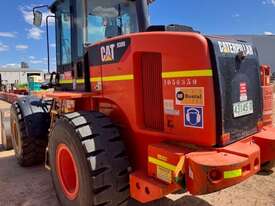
(108, 53)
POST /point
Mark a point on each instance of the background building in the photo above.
(19, 75)
(265, 45)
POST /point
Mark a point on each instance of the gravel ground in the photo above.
(33, 187)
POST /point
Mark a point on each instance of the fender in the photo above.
(35, 116)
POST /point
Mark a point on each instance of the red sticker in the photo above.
(243, 88)
(68, 75)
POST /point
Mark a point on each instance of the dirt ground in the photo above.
(33, 187)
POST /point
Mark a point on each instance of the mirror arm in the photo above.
(39, 7)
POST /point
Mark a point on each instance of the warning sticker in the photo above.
(243, 92)
(169, 108)
(190, 96)
(169, 104)
(164, 174)
(193, 117)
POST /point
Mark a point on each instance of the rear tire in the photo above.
(88, 161)
(29, 150)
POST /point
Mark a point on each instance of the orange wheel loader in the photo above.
(143, 111)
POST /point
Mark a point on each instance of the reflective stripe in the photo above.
(79, 81)
(113, 78)
(95, 79)
(232, 174)
(66, 81)
(188, 73)
(162, 163)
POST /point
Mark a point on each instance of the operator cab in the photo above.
(80, 23)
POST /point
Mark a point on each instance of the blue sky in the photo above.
(20, 41)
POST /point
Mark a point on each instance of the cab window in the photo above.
(107, 19)
(64, 31)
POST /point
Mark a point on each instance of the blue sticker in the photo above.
(193, 117)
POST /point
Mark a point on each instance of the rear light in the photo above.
(215, 175)
(265, 75)
(225, 138)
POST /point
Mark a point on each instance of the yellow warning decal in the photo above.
(232, 174)
(190, 96)
(164, 174)
(188, 73)
(162, 164)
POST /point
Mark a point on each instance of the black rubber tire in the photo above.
(104, 171)
(29, 151)
(268, 165)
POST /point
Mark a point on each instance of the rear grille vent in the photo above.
(151, 69)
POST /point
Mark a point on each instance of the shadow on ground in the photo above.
(184, 201)
(33, 186)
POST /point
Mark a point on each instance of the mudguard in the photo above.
(35, 116)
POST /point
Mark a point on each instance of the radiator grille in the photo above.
(151, 69)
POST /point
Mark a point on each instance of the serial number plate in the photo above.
(243, 108)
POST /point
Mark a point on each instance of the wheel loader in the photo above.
(142, 110)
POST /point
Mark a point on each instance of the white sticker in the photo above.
(243, 98)
(172, 112)
(168, 104)
(169, 108)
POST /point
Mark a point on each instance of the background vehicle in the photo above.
(164, 105)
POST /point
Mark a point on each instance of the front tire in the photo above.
(88, 161)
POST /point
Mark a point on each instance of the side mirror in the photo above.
(150, 1)
(37, 18)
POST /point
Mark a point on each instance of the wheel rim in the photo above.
(15, 134)
(67, 172)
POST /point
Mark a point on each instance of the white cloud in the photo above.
(34, 61)
(236, 15)
(272, 2)
(8, 34)
(268, 33)
(21, 47)
(10, 66)
(35, 33)
(28, 15)
(4, 47)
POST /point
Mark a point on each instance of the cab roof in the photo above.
(56, 2)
